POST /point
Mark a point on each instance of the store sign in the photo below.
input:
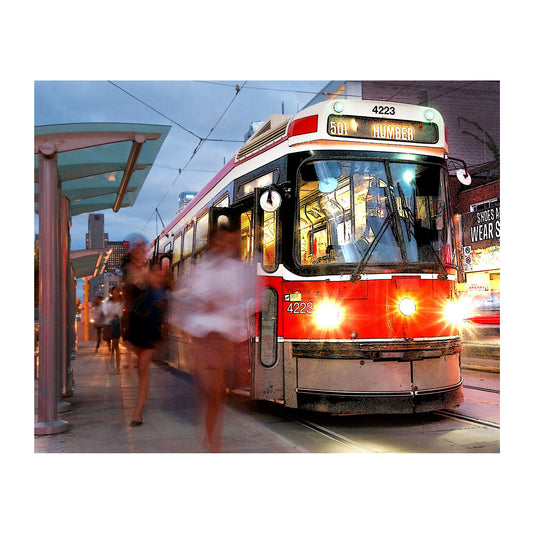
(481, 228)
(482, 288)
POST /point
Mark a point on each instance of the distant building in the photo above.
(119, 252)
(254, 126)
(183, 199)
(96, 238)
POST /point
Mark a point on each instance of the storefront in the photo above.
(479, 283)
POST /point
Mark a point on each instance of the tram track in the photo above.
(283, 413)
(482, 389)
(328, 433)
(465, 418)
(342, 441)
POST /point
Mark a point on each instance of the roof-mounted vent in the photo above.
(272, 130)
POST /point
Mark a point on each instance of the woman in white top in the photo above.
(211, 307)
(112, 309)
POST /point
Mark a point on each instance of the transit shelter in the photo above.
(78, 168)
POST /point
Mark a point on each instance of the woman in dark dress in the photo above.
(145, 296)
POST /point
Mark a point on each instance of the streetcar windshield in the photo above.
(372, 212)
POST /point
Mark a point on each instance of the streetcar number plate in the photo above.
(300, 308)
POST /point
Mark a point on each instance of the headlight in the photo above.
(407, 306)
(458, 311)
(328, 315)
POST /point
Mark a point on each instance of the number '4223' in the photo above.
(300, 308)
(384, 110)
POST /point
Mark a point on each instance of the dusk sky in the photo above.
(184, 105)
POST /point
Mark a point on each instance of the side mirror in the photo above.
(463, 176)
(270, 200)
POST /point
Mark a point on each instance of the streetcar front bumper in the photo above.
(405, 402)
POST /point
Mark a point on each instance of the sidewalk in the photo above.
(102, 405)
(481, 349)
(481, 356)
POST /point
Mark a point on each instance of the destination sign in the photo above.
(409, 131)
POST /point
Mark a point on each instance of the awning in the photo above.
(89, 262)
(100, 165)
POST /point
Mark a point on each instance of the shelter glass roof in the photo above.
(88, 262)
(91, 176)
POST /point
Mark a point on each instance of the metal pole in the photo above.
(62, 406)
(47, 422)
(86, 308)
(64, 225)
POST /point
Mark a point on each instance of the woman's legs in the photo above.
(214, 391)
(143, 370)
(115, 346)
(98, 337)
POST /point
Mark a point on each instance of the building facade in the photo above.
(119, 252)
(95, 238)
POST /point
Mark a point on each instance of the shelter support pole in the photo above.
(86, 308)
(62, 406)
(64, 240)
(47, 422)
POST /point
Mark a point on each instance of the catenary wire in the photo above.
(195, 151)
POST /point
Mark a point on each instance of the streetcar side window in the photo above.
(200, 245)
(269, 248)
(269, 327)
(176, 255)
(187, 249)
(223, 202)
(247, 236)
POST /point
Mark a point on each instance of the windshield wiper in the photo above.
(356, 276)
(390, 221)
(410, 226)
(395, 222)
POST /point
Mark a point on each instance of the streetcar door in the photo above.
(266, 381)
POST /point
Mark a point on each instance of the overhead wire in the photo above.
(277, 89)
(195, 151)
(154, 109)
(167, 117)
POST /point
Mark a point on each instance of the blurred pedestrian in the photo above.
(98, 320)
(112, 311)
(145, 315)
(212, 304)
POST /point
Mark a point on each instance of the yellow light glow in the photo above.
(328, 315)
(457, 312)
(407, 306)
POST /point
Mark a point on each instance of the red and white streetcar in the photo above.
(345, 217)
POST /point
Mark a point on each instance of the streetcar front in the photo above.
(368, 281)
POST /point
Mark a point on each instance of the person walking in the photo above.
(113, 309)
(211, 306)
(98, 320)
(145, 315)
